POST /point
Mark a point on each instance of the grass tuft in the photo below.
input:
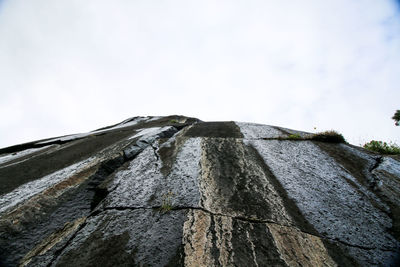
(166, 202)
(294, 137)
(328, 136)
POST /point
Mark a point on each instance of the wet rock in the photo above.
(142, 184)
(132, 151)
(214, 129)
(141, 237)
(176, 191)
(321, 190)
(234, 183)
(40, 256)
(215, 240)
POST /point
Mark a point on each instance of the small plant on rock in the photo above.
(166, 204)
(294, 137)
(383, 147)
(328, 136)
(174, 121)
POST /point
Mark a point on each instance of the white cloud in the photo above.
(73, 66)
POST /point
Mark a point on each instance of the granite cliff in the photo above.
(176, 191)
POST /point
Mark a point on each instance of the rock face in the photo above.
(176, 191)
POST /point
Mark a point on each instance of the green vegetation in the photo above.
(396, 117)
(294, 137)
(174, 121)
(166, 202)
(328, 136)
(382, 147)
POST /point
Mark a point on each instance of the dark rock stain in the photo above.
(100, 251)
(214, 129)
(266, 252)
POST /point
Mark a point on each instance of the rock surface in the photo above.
(176, 191)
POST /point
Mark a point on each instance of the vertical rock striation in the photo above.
(176, 191)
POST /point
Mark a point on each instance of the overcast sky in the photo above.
(74, 66)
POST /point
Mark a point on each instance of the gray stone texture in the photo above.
(176, 191)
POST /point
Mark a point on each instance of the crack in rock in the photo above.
(378, 161)
(58, 252)
(250, 220)
(155, 151)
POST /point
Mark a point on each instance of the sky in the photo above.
(71, 66)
